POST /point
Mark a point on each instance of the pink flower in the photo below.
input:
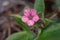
(30, 17)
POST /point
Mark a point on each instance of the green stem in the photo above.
(38, 35)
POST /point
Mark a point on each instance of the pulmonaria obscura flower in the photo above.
(30, 17)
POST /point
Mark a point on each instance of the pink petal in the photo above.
(26, 12)
(30, 23)
(33, 12)
(25, 19)
(35, 18)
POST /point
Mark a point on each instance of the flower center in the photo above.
(30, 17)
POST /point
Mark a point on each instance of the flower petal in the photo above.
(25, 19)
(35, 18)
(33, 12)
(30, 23)
(26, 12)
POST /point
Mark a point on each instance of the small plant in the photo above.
(35, 27)
(30, 17)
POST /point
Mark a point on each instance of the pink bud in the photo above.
(30, 23)
(25, 19)
(35, 18)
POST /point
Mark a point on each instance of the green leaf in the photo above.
(39, 5)
(58, 3)
(51, 33)
(20, 36)
(22, 24)
(47, 22)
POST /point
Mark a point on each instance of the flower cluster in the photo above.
(30, 17)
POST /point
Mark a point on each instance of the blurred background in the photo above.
(10, 7)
